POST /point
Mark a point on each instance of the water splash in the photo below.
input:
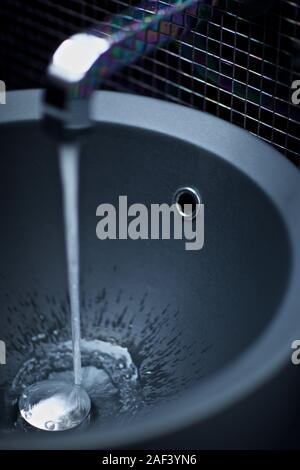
(126, 333)
(109, 376)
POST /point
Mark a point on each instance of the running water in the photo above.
(56, 405)
(69, 171)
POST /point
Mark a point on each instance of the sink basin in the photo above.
(205, 330)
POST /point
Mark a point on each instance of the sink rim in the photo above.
(282, 186)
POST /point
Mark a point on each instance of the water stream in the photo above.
(69, 171)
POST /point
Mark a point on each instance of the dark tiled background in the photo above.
(237, 68)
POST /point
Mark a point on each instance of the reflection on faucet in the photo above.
(81, 62)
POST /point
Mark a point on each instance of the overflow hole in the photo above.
(187, 202)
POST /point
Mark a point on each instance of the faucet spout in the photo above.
(82, 61)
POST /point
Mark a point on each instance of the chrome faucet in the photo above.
(81, 62)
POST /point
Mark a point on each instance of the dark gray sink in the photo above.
(204, 328)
